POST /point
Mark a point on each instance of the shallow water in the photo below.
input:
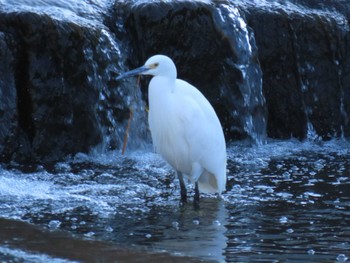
(285, 201)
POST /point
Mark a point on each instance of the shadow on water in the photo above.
(285, 201)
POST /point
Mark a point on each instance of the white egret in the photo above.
(184, 127)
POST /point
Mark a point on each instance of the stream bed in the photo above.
(285, 201)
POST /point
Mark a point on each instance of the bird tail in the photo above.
(208, 183)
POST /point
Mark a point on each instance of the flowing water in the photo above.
(285, 201)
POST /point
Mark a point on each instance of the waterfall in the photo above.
(252, 112)
(304, 56)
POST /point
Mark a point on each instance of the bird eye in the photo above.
(153, 66)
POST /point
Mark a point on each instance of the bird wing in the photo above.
(202, 130)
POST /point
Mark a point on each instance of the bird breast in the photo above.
(166, 125)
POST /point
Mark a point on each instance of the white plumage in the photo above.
(185, 129)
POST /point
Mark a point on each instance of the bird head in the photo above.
(158, 65)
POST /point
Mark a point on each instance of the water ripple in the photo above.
(285, 198)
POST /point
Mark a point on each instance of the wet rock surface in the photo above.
(8, 96)
(303, 51)
(56, 87)
(55, 103)
(269, 69)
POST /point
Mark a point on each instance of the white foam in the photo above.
(29, 257)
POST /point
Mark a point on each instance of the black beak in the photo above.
(133, 72)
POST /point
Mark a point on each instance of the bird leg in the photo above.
(183, 188)
(196, 196)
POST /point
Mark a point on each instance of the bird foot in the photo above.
(183, 200)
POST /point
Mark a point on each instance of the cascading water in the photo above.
(251, 111)
(303, 53)
(125, 97)
(319, 108)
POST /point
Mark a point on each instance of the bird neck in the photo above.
(162, 84)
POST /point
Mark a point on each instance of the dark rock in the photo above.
(8, 98)
(304, 58)
(56, 101)
(287, 116)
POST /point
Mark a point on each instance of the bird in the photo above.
(185, 128)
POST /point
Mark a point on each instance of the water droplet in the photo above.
(148, 236)
(341, 258)
(216, 223)
(286, 175)
(290, 230)
(90, 234)
(196, 222)
(175, 225)
(311, 252)
(283, 219)
(237, 188)
(62, 167)
(269, 190)
(312, 194)
(109, 229)
(54, 224)
(279, 166)
(295, 168)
